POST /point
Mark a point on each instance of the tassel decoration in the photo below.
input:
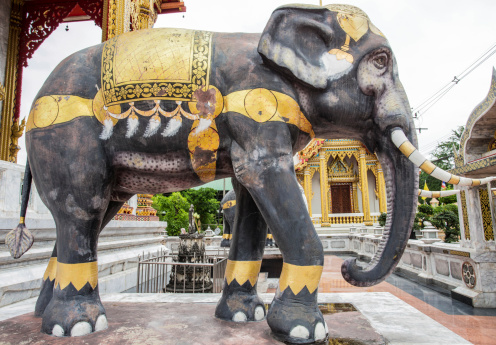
(173, 126)
(203, 125)
(108, 128)
(153, 126)
(132, 125)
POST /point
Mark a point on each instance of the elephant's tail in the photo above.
(20, 239)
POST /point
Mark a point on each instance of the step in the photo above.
(116, 270)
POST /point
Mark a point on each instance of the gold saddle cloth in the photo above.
(158, 64)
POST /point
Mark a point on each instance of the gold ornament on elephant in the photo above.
(355, 23)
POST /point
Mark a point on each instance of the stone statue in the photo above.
(191, 226)
(221, 105)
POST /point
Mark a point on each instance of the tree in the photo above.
(174, 210)
(205, 203)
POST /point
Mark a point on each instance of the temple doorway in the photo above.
(341, 198)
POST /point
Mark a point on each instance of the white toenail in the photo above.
(320, 331)
(58, 331)
(259, 313)
(101, 323)
(80, 329)
(239, 317)
(300, 332)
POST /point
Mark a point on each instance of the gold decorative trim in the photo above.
(459, 253)
(487, 220)
(119, 87)
(229, 204)
(407, 149)
(243, 271)
(270, 236)
(262, 105)
(51, 270)
(297, 277)
(77, 275)
(2, 92)
(11, 75)
(51, 110)
(466, 225)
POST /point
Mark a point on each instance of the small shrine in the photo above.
(343, 182)
(190, 277)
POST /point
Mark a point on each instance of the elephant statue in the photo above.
(228, 205)
(163, 110)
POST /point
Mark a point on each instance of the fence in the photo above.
(159, 274)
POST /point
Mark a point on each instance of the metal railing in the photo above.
(158, 273)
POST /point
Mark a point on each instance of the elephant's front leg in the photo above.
(294, 315)
(239, 301)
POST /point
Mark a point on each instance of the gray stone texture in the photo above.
(442, 267)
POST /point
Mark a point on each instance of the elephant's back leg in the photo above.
(48, 283)
(240, 301)
(72, 174)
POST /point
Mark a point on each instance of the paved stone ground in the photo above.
(180, 324)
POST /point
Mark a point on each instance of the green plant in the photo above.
(174, 210)
(447, 221)
(205, 203)
(427, 209)
(382, 219)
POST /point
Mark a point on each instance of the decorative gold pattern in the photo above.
(459, 253)
(135, 68)
(51, 270)
(466, 225)
(262, 105)
(50, 110)
(355, 23)
(297, 277)
(479, 164)
(229, 204)
(10, 78)
(227, 236)
(77, 275)
(243, 271)
(2, 92)
(487, 220)
(17, 131)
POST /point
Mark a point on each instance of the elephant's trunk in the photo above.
(402, 189)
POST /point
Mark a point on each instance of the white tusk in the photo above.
(437, 194)
(406, 147)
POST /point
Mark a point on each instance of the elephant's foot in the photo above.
(297, 319)
(240, 303)
(45, 297)
(74, 316)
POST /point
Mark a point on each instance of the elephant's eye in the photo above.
(380, 61)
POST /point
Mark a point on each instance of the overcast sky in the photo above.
(432, 40)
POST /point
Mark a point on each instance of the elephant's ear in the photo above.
(296, 40)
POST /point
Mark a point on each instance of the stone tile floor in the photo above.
(476, 325)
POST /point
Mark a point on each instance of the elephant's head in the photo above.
(347, 82)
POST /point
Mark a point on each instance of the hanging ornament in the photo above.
(153, 126)
(173, 126)
(108, 128)
(132, 125)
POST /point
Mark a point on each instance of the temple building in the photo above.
(24, 26)
(342, 178)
